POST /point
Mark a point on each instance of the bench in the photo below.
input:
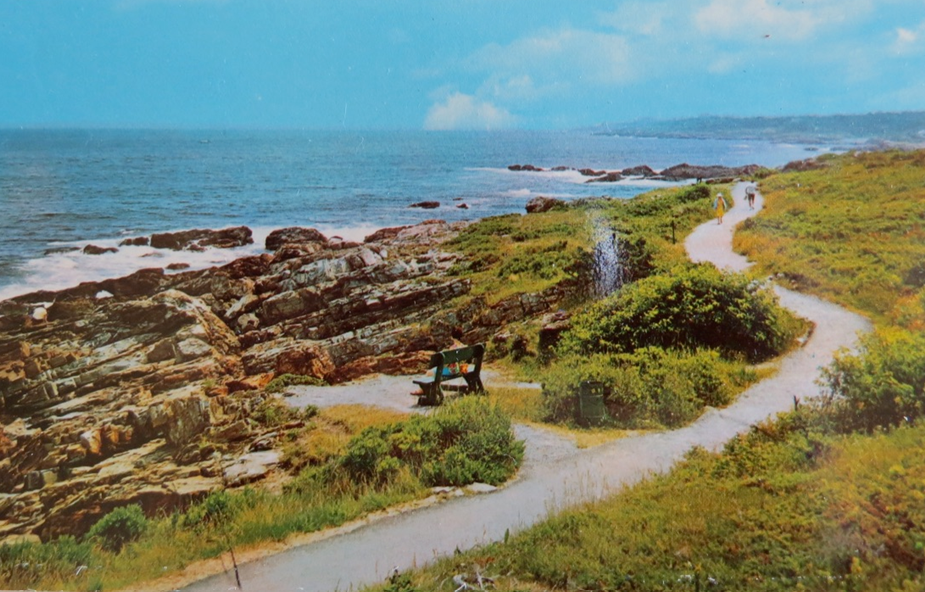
(433, 387)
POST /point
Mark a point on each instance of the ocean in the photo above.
(61, 189)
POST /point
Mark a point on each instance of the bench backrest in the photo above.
(473, 353)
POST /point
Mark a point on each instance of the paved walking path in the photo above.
(555, 476)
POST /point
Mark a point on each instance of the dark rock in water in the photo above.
(293, 235)
(138, 241)
(560, 169)
(541, 204)
(178, 266)
(642, 170)
(612, 177)
(58, 250)
(524, 167)
(95, 250)
(463, 206)
(427, 205)
(591, 172)
(199, 239)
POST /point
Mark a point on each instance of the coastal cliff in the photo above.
(141, 389)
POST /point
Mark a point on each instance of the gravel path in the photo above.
(555, 474)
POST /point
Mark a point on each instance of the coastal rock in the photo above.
(611, 177)
(524, 167)
(591, 172)
(198, 239)
(294, 234)
(138, 241)
(384, 234)
(541, 204)
(125, 399)
(426, 205)
(809, 164)
(639, 171)
(95, 250)
(684, 171)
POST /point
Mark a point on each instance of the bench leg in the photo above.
(433, 395)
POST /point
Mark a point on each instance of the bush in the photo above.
(690, 308)
(651, 387)
(883, 385)
(462, 442)
(282, 382)
(217, 509)
(119, 527)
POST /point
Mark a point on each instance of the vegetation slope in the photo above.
(828, 497)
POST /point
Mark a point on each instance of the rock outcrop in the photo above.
(541, 204)
(198, 239)
(684, 171)
(146, 396)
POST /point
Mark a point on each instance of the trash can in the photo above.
(591, 410)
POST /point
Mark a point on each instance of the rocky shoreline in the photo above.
(679, 172)
(140, 389)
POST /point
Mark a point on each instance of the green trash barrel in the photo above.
(591, 403)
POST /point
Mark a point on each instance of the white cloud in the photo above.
(909, 41)
(731, 18)
(465, 112)
(566, 56)
(642, 18)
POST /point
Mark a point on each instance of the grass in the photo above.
(460, 441)
(776, 511)
(802, 503)
(853, 232)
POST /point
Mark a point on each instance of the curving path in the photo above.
(554, 476)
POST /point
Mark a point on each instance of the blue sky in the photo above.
(461, 64)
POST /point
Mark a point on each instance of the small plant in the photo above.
(119, 527)
(284, 381)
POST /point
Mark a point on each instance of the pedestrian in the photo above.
(719, 204)
(750, 196)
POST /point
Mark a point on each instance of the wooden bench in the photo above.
(432, 387)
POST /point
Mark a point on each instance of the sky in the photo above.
(446, 65)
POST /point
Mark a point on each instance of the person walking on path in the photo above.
(750, 196)
(719, 204)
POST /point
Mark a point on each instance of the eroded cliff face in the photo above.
(140, 389)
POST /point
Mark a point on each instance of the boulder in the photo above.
(384, 234)
(612, 177)
(426, 205)
(591, 172)
(638, 171)
(524, 167)
(95, 250)
(293, 235)
(198, 239)
(138, 241)
(541, 204)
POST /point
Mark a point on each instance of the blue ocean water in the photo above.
(66, 188)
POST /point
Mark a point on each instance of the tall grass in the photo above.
(472, 440)
(853, 231)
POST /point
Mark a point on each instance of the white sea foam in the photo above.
(57, 271)
(68, 268)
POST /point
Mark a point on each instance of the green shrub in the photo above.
(692, 307)
(119, 527)
(283, 381)
(216, 509)
(463, 442)
(882, 385)
(649, 388)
